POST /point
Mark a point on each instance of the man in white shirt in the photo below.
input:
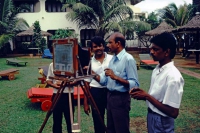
(166, 89)
(62, 106)
(99, 62)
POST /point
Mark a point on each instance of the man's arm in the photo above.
(168, 110)
(109, 72)
(140, 94)
(131, 71)
(51, 74)
(50, 83)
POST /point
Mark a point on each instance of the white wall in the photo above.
(56, 20)
(48, 20)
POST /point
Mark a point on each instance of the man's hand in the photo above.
(86, 68)
(74, 83)
(56, 86)
(138, 94)
(110, 73)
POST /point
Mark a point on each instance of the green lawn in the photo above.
(19, 115)
(197, 70)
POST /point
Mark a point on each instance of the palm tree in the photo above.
(176, 16)
(9, 23)
(153, 20)
(102, 15)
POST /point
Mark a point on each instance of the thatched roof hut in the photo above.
(163, 27)
(30, 32)
(192, 25)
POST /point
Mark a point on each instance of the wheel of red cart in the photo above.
(46, 105)
(11, 77)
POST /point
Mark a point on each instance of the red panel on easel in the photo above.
(76, 93)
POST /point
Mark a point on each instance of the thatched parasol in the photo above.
(163, 27)
(30, 32)
(192, 25)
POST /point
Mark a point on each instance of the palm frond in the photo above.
(7, 8)
(10, 23)
(119, 13)
(83, 20)
(182, 15)
(176, 16)
(171, 22)
(4, 38)
(111, 26)
(173, 8)
(21, 24)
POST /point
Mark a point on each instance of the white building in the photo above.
(51, 18)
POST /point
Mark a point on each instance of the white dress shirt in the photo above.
(98, 68)
(166, 86)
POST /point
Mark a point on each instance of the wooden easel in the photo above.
(66, 83)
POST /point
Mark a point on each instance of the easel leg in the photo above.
(75, 126)
(55, 100)
(92, 102)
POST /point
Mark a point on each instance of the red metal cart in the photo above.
(42, 95)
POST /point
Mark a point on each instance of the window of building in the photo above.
(24, 38)
(86, 35)
(54, 6)
(31, 5)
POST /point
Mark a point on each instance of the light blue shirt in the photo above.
(123, 66)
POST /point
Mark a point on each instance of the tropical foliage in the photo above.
(102, 15)
(38, 40)
(176, 16)
(9, 23)
(153, 20)
(63, 33)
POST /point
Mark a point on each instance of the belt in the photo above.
(97, 88)
(117, 92)
(150, 111)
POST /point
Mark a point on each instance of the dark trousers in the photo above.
(62, 107)
(99, 96)
(118, 107)
(157, 123)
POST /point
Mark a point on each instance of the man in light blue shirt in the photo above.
(120, 76)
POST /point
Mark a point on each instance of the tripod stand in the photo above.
(66, 83)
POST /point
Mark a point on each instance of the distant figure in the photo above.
(166, 89)
(120, 76)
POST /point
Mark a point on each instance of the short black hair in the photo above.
(165, 41)
(122, 40)
(98, 40)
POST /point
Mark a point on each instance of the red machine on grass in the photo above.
(42, 95)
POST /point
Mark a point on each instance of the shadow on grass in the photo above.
(33, 106)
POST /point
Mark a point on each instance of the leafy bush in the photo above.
(64, 33)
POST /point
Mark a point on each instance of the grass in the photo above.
(196, 70)
(19, 115)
